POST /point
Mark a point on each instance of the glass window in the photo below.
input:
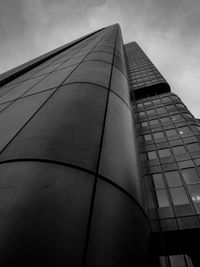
(195, 127)
(155, 101)
(184, 131)
(179, 196)
(194, 147)
(171, 132)
(144, 124)
(170, 107)
(158, 135)
(166, 99)
(162, 198)
(151, 155)
(151, 112)
(140, 105)
(164, 153)
(190, 176)
(142, 114)
(147, 137)
(147, 103)
(179, 150)
(165, 120)
(180, 105)
(158, 181)
(160, 110)
(153, 122)
(173, 179)
(194, 191)
(187, 115)
(176, 117)
(177, 261)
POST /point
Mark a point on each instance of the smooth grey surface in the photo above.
(120, 234)
(20, 89)
(52, 80)
(119, 85)
(44, 211)
(16, 115)
(68, 128)
(94, 71)
(108, 57)
(119, 155)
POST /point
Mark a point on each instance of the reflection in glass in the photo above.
(162, 198)
(179, 196)
(194, 191)
(158, 181)
(173, 179)
(190, 176)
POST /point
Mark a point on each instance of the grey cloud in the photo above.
(168, 31)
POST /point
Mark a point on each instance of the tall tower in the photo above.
(98, 160)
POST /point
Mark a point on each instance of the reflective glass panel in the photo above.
(158, 181)
(151, 155)
(179, 196)
(173, 179)
(163, 153)
(190, 176)
(162, 198)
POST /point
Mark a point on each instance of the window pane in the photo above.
(173, 179)
(166, 99)
(151, 112)
(165, 120)
(139, 105)
(195, 147)
(144, 124)
(170, 107)
(177, 261)
(178, 150)
(177, 118)
(190, 176)
(147, 137)
(194, 191)
(153, 122)
(163, 153)
(158, 135)
(158, 181)
(180, 105)
(162, 198)
(184, 131)
(179, 196)
(155, 101)
(142, 114)
(147, 103)
(160, 110)
(171, 133)
(151, 155)
(187, 115)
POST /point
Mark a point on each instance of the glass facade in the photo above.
(100, 161)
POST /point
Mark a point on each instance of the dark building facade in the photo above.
(99, 161)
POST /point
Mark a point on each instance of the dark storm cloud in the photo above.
(168, 31)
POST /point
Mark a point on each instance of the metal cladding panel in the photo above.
(44, 211)
(68, 162)
(66, 129)
(119, 234)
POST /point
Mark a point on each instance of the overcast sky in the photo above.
(167, 30)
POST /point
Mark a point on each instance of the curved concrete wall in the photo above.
(69, 186)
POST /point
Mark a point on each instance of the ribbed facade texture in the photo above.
(99, 161)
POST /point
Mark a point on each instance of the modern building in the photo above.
(99, 161)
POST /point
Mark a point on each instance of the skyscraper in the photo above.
(99, 160)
